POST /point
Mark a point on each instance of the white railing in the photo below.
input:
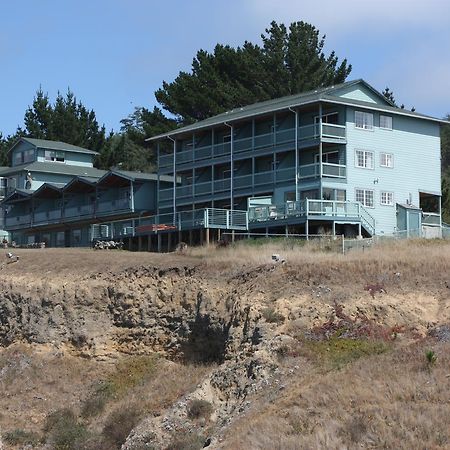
(433, 219)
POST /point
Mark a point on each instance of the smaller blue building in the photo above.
(53, 194)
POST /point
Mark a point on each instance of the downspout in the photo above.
(296, 153)
(174, 178)
(231, 164)
(132, 195)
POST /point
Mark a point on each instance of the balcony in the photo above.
(113, 206)
(75, 212)
(313, 209)
(307, 133)
(254, 181)
(21, 221)
(328, 170)
(52, 216)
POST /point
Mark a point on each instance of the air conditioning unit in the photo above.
(104, 231)
(127, 230)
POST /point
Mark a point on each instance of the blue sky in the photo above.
(115, 53)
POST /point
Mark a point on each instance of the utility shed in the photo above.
(409, 219)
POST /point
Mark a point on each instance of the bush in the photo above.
(184, 441)
(96, 401)
(64, 431)
(21, 437)
(119, 425)
(199, 409)
(271, 316)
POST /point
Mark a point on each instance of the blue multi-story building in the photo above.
(337, 160)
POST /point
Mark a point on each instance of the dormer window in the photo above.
(28, 156)
(51, 155)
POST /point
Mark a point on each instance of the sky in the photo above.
(114, 54)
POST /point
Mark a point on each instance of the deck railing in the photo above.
(330, 209)
(245, 144)
(256, 179)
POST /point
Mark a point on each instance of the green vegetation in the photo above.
(64, 431)
(431, 357)
(128, 374)
(119, 425)
(21, 437)
(272, 316)
(338, 351)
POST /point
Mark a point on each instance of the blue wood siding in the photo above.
(415, 146)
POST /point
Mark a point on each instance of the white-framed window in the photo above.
(363, 120)
(386, 122)
(364, 159)
(386, 160)
(387, 198)
(51, 155)
(365, 197)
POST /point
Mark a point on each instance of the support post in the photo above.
(320, 150)
(190, 238)
(334, 228)
(169, 241)
(359, 231)
(140, 243)
(231, 164)
(159, 243)
(207, 236)
(307, 229)
(149, 243)
(174, 170)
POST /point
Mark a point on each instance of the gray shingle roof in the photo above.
(54, 167)
(284, 103)
(54, 145)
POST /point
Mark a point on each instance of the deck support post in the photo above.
(359, 231)
(140, 243)
(190, 238)
(169, 241)
(201, 236)
(149, 243)
(334, 228)
(159, 243)
(232, 236)
(267, 232)
(307, 229)
(207, 236)
(286, 230)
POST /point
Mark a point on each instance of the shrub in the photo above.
(64, 431)
(119, 424)
(96, 401)
(21, 437)
(184, 441)
(199, 409)
(271, 316)
(431, 357)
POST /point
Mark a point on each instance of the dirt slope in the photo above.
(225, 348)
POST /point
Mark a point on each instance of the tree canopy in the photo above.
(289, 61)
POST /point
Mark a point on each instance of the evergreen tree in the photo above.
(289, 62)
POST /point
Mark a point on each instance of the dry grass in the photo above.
(389, 401)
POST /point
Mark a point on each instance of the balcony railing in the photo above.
(331, 209)
(433, 219)
(305, 133)
(21, 220)
(256, 179)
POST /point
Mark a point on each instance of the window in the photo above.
(365, 197)
(28, 155)
(364, 159)
(363, 120)
(387, 198)
(386, 160)
(18, 158)
(386, 122)
(51, 155)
